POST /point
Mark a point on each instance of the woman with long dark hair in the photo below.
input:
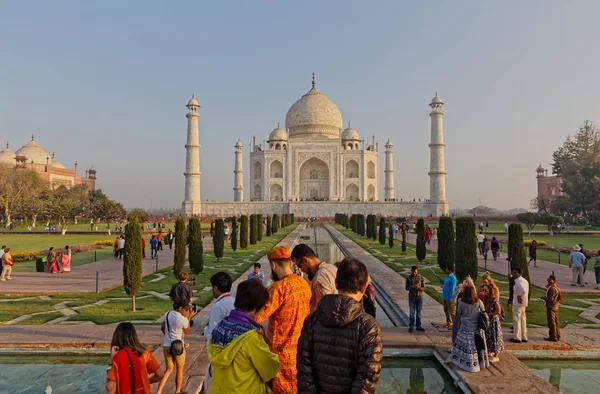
(466, 354)
(132, 367)
(493, 335)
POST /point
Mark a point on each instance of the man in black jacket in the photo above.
(339, 350)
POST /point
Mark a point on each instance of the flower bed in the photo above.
(30, 256)
(527, 242)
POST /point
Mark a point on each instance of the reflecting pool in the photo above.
(29, 374)
(581, 376)
(415, 376)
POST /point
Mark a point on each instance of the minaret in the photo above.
(238, 177)
(191, 204)
(437, 170)
(389, 172)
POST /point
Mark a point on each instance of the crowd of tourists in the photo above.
(319, 339)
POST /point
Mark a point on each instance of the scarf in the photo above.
(240, 317)
(560, 297)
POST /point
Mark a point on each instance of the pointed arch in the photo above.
(371, 170)
(352, 169)
(276, 169)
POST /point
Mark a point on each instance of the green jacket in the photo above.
(242, 366)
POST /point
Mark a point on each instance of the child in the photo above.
(256, 274)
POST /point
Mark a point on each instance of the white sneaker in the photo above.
(9, 278)
(3, 280)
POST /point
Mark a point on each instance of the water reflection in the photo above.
(568, 376)
(414, 376)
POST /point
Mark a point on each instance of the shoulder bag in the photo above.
(484, 320)
(177, 345)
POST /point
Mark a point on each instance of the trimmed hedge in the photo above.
(132, 260)
(234, 233)
(268, 226)
(465, 249)
(196, 249)
(382, 231)
(516, 252)
(219, 238)
(445, 251)
(421, 251)
(253, 230)
(259, 227)
(244, 232)
(180, 243)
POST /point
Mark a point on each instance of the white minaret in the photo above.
(437, 170)
(238, 177)
(191, 205)
(389, 172)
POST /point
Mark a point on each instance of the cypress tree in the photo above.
(132, 260)
(465, 249)
(361, 225)
(403, 237)
(346, 222)
(382, 231)
(259, 227)
(244, 232)
(219, 238)
(292, 218)
(369, 228)
(353, 223)
(268, 226)
(196, 250)
(445, 250)
(234, 233)
(180, 243)
(374, 228)
(275, 223)
(516, 252)
(391, 236)
(253, 229)
(421, 250)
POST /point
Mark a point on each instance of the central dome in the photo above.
(314, 114)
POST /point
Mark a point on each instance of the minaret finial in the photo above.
(436, 92)
(32, 137)
(313, 80)
(277, 124)
(348, 124)
(6, 144)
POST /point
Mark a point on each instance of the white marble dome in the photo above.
(193, 102)
(314, 114)
(33, 152)
(349, 134)
(278, 134)
(7, 156)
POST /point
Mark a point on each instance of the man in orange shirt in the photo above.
(288, 306)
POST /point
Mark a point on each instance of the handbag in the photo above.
(484, 320)
(177, 346)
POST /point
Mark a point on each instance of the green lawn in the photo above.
(102, 228)
(35, 242)
(536, 312)
(149, 309)
(76, 259)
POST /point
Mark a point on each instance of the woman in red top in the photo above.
(132, 367)
(533, 253)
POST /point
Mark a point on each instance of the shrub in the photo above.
(219, 238)
(234, 233)
(259, 227)
(374, 227)
(275, 224)
(180, 243)
(244, 232)
(369, 227)
(361, 224)
(391, 236)
(19, 257)
(516, 252)
(346, 221)
(196, 249)
(132, 260)
(465, 249)
(421, 250)
(445, 251)
(106, 242)
(382, 231)
(253, 229)
(268, 226)
(527, 242)
(40, 266)
(403, 238)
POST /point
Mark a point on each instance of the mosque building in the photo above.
(315, 168)
(32, 155)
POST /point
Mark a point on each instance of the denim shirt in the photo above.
(448, 287)
(577, 259)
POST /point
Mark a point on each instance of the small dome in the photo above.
(56, 164)
(540, 169)
(389, 144)
(350, 134)
(192, 102)
(33, 152)
(239, 144)
(7, 156)
(278, 134)
(436, 100)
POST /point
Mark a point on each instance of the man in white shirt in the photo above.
(176, 323)
(519, 305)
(321, 275)
(505, 227)
(480, 239)
(121, 246)
(221, 286)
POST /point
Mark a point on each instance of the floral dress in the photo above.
(493, 335)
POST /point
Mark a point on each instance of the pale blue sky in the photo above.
(105, 83)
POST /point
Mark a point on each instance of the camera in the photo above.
(194, 308)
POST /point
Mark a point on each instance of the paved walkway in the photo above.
(538, 275)
(82, 279)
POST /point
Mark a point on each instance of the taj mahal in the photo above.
(315, 168)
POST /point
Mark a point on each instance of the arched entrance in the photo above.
(276, 193)
(371, 193)
(314, 180)
(352, 192)
(276, 169)
(257, 193)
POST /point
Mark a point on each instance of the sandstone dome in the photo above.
(33, 152)
(7, 156)
(278, 134)
(349, 134)
(313, 115)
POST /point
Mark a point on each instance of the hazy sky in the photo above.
(106, 83)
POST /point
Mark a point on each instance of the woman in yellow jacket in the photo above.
(241, 361)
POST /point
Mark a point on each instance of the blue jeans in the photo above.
(597, 272)
(494, 254)
(415, 309)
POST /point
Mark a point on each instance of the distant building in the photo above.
(33, 156)
(548, 187)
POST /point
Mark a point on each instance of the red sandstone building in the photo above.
(548, 187)
(31, 155)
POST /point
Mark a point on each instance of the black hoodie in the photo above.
(339, 350)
